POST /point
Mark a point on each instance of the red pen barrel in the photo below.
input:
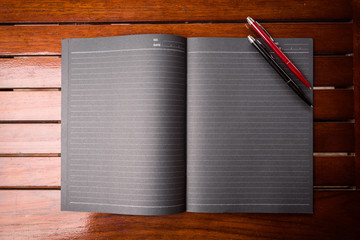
(279, 53)
(297, 73)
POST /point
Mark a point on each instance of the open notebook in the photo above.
(160, 124)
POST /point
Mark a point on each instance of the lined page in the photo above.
(249, 136)
(123, 124)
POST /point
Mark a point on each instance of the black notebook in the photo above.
(161, 124)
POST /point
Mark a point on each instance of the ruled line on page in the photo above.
(240, 165)
(132, 206)
(130, 155)
(135, 105)
(126, 199)
(267, 182)
(120, 110)
(114, 72)
(136, 61)
(230, 68)
(234, 63)
(87, 164)
(131, 194)
(133, 100)
(127, 56)
(124, 78)
(119, 188)
(116, 83)
(129, 94)
(130, 177)
(147, 66)
(250, 204)
(103, 138)
(132, 183)
(233, 52)
(277, 176)
(238, 58)
(128, 50)
(139, 189)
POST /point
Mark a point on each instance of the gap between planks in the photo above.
(173, 22)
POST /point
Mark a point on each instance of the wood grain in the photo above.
(45, 40)
(33, 72)
(46, 105)
(45, 72)
(30, 172)
(334, 137)
(334, 171)
(36, 214)
(333, 104)
(30, 138)
(356, 29)
(14, 11)
(333, 71)
(30, 105)
(45, 138)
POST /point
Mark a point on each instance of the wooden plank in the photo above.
(334, 137)
(334, 171)
(30, 171)
(45, 72)
(43, 40)
(30, 105)
(14, 11)
(333, 71)
(30, 138)
(21, 172)
(356, 29)
(333, 104)
(36, 214)
(33, 72)
(45, 138)
(45, 105)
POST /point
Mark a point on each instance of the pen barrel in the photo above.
(279, 53)
(282, 74)
(297, 73)
(299, 92)
(273, 63)
(270, 43)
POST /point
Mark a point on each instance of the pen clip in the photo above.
(267, 33)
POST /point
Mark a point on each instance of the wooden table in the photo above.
(30, 34)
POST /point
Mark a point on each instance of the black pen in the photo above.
(271, 60)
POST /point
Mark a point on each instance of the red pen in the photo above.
(270, 42)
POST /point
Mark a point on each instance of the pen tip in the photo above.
(250, 20)
(311, 106)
